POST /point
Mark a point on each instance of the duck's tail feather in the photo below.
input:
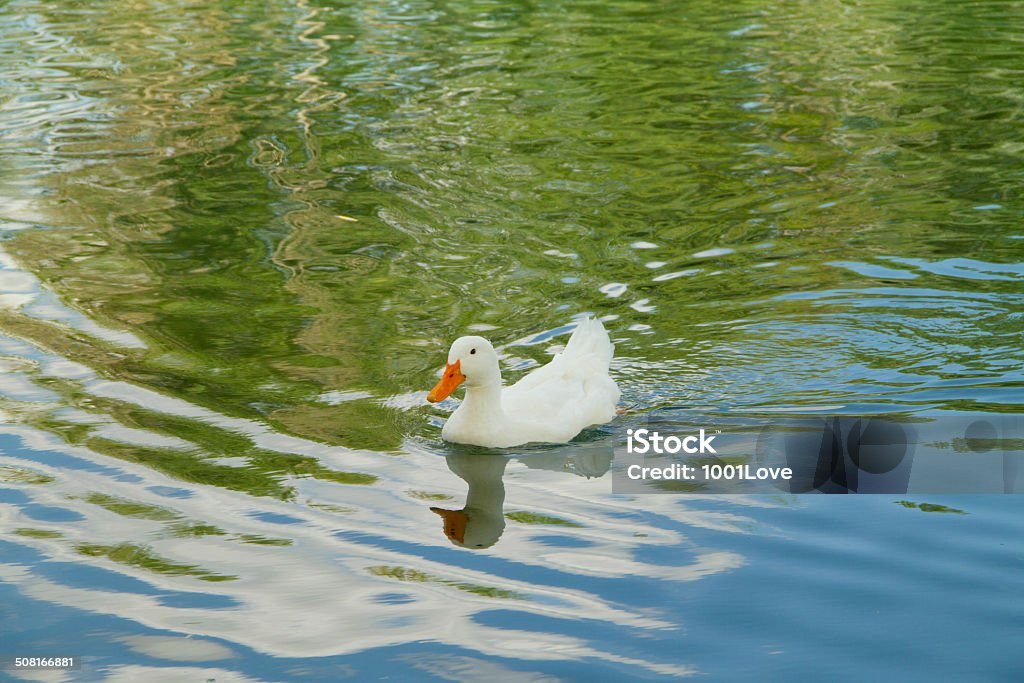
(588, 338)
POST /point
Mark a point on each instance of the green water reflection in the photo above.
(297, 201)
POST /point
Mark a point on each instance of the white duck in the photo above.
(551, 404)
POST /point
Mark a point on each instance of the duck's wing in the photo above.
(591, 339)
(572, 391)
(589, 350)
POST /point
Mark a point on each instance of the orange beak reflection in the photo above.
(451, 378)
(454, 523)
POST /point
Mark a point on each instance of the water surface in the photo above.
(238, 239)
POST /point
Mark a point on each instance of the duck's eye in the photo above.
(472, 351)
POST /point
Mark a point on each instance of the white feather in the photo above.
(551, 404)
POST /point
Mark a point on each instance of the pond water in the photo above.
(239, 237)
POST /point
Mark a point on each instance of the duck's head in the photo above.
(471, 360)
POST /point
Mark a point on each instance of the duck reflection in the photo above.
(481, 521)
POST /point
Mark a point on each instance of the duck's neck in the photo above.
(483, 401)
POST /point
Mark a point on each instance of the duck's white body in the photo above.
(551, 404)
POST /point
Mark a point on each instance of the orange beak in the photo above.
(452, 378)
(454, 523)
